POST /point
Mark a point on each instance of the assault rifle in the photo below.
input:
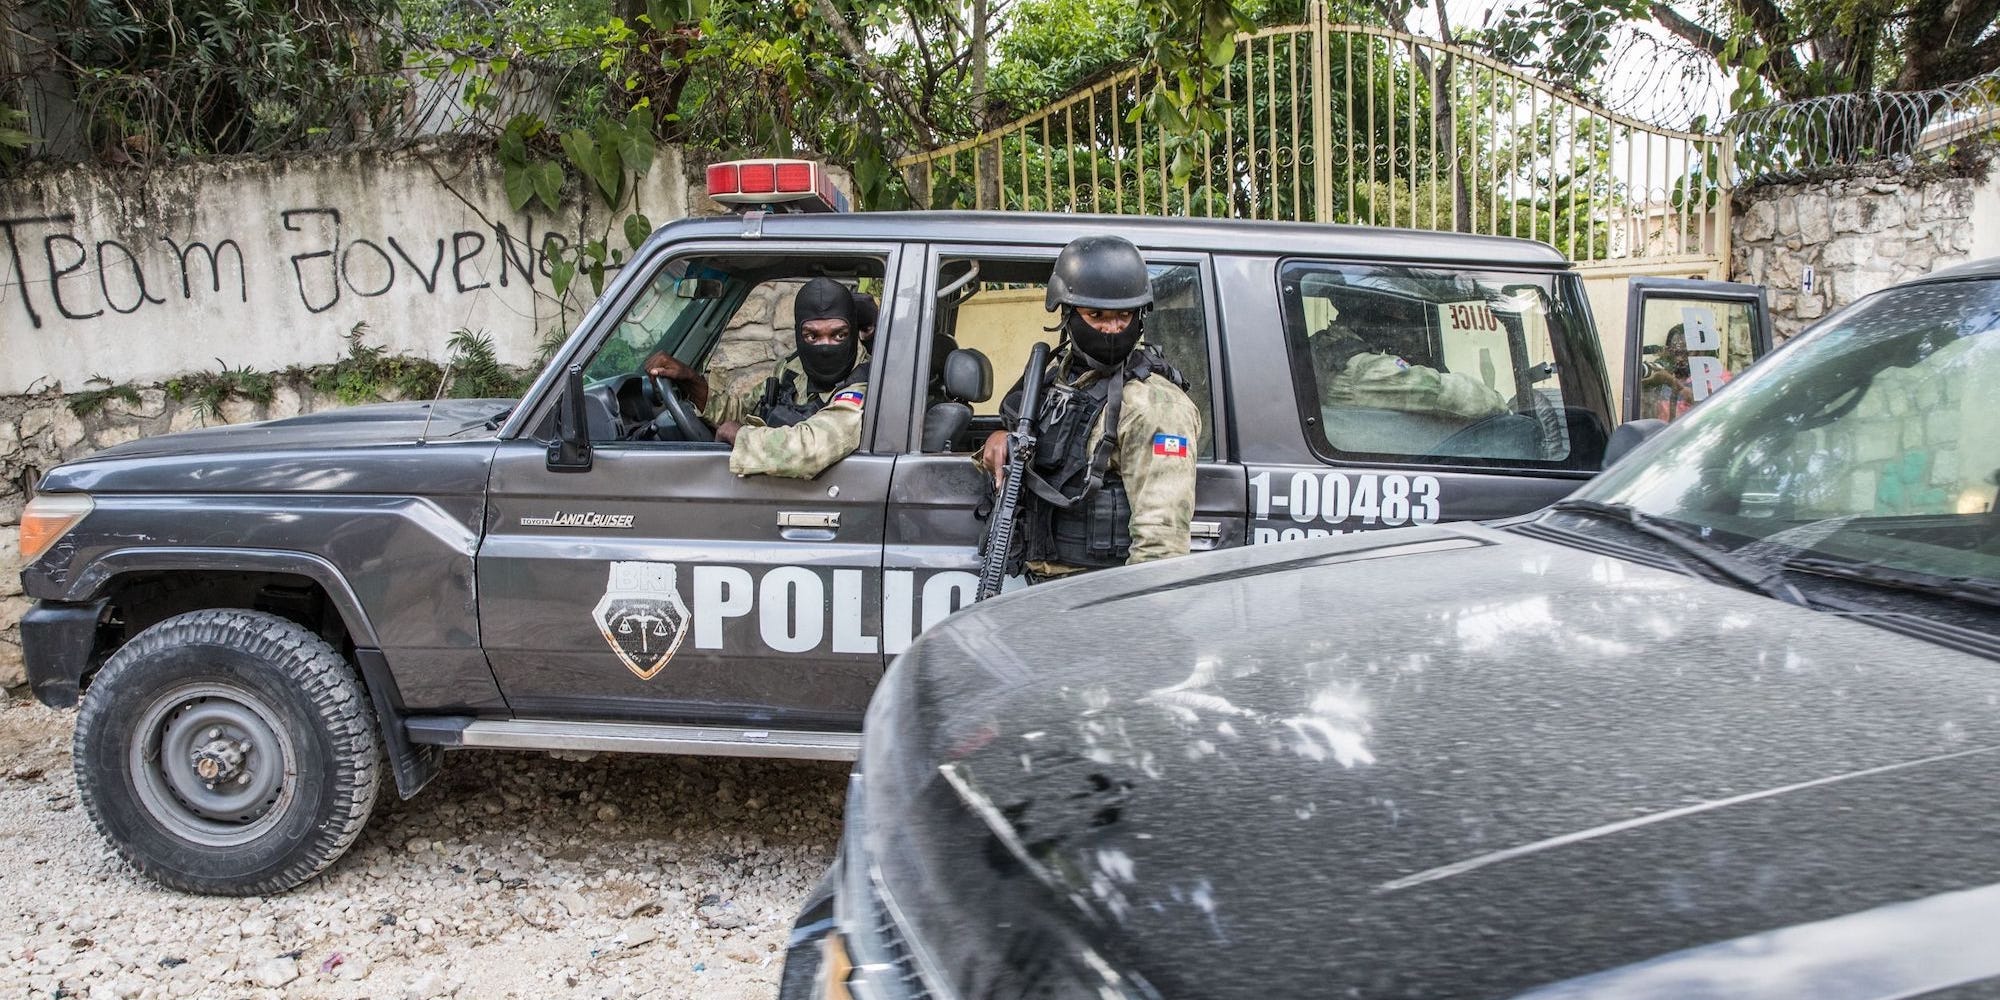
(1020, 452)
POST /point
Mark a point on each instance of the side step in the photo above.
(632, 737)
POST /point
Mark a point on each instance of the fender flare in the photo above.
(413, 766)
(92, 582)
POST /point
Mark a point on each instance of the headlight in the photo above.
(48, 517)
(931, 885)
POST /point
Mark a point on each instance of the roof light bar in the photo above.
(788, 185)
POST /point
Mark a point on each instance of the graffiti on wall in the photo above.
(61, 275)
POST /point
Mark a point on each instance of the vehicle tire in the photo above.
(227, 752)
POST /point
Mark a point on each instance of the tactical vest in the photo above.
(781, 405)
(1080, 514)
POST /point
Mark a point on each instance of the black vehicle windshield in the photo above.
(1864, 452)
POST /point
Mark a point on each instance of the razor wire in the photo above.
(1903, 128)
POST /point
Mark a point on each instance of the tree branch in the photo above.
(1689, 30)
(892, 87)
(1782, 65)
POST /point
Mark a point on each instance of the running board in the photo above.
(632, 737)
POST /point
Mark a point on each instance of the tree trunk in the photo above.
(988, 195)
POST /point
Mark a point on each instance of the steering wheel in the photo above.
(675, 410)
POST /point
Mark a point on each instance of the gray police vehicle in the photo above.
(264, 623)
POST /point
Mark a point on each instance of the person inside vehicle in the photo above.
(1113, 475)
(866, 313)
(1665, 385)
(806, 417)
(1362, 365)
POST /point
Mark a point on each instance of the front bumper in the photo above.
(805, 951)
(58, 639)
(848, 942)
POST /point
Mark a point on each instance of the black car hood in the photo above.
(1451, 762)
(347, 427)
(434, 448)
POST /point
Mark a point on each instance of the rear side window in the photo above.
(1435, 366)
(1001, 313)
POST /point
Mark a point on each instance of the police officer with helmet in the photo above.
(1113, 476)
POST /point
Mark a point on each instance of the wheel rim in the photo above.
(213, 765)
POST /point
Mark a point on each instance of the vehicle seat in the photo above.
(967, 378)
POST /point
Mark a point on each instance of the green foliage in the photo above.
(209, 390)
(366, 373)
(14, 138)
(90, 401)
(476, 373)
(369, 373)
(195, 77)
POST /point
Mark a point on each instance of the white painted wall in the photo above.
(108, 273)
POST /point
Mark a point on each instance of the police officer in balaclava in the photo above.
(1113, 475)
(808, 415)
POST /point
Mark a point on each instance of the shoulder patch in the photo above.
(1170, 446)
(854, 395)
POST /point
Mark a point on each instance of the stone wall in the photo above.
(1858, 234)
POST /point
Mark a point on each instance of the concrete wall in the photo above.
(137, 275)
(1858, 234)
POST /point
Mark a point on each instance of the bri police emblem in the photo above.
(642, 616)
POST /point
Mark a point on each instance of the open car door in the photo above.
(1684, 339)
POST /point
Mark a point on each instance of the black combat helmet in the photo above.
(1100, 272)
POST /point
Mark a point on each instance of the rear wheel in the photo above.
(228, 752)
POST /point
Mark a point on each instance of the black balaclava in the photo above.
(825, 365)
(1103, 351)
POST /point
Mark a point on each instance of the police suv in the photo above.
(255, 617)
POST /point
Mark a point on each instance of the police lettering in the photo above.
(798, 610)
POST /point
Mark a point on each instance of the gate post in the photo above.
(1322, 114)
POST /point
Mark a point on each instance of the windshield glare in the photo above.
(1869, 440)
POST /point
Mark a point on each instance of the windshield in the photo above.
(1869, 442)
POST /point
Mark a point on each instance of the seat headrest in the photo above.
(968, 376)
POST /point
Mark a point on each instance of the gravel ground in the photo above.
(512, 875)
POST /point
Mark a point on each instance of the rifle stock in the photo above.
(1020, 452)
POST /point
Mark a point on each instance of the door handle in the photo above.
(1204, 535)
(808, 519)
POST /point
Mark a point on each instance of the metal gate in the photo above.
(1358, 124)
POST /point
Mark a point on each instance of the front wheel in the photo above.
(227, 752)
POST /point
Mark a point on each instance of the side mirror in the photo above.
(1629, 436)
(571, 452)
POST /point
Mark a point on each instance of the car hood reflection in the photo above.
(1483, 762)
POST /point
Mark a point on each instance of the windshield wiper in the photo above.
(1965, 588)
(1766, 581)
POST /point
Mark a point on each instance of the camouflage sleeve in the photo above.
(1387, 382)
(805, 449)
(1157, 431)
(738, 405)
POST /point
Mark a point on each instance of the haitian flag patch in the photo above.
(854, 396)
(1170, 445)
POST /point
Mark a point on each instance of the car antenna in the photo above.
(423, 436)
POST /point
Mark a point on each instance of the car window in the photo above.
(664, 308)
(1450, 367)
(1688, 349)
(1868, 440)
(1002, 313)
(728, 317)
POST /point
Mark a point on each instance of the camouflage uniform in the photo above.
(1158, 473)
(802, 450)
(1378, 381)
